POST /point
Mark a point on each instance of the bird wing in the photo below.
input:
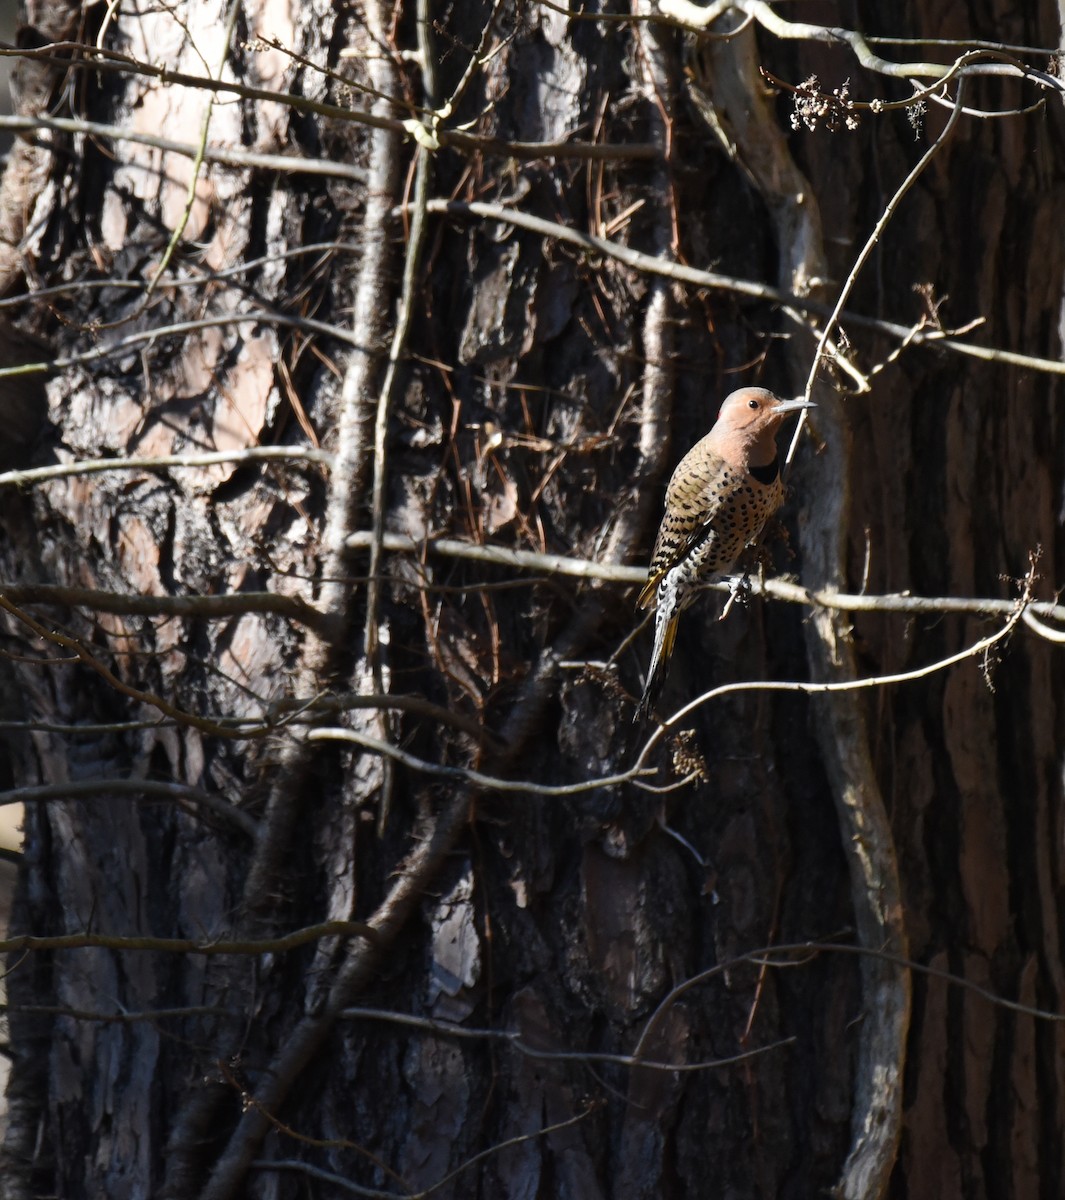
(693, 498)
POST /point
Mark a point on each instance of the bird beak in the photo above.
(787, 406)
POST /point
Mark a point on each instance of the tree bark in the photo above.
(571, 989)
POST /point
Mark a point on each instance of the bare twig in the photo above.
(640, 768)
(477, 779)
(841, 685)
(353, 458)
(417, 706)
(776, 589)
(301, 1043)
(118, 346)
(82, 652)
(358, 1190)
(457, 139)
(224, 156)
(140, 789)
(219, 607)
(477, 61)
(646, 263)
(651, 265)
(771, 956)
(863, 257)
(782, 955)
(91, 466)
(280, 715)
(514, 1039)
(212, 946)
(411, 265)
(198, 160)
(372, 306)
(697, 17)
(412, 261)
(115, 1018)
(796, 954)
(1044, 631)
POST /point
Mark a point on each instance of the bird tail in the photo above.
(667, 617)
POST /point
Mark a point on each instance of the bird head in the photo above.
(748, 422)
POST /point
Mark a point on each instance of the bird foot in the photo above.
(739, 590)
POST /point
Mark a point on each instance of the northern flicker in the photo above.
(723, 491)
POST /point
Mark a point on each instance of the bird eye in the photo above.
(752, 403)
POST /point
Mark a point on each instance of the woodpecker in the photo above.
(723, 491)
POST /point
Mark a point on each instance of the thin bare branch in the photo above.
(457, 139)
(302, 1042)
(697, 17)
(863, 257)
(477, 779)
(358, 1190)
(797, 954)
(116, 1018)
(411, 264)
(92, 466)
(490, 783)
(118, 346)
(776, 589)
(83, 653)
(838, 685)
(744, 287)
(783, 955)
(139, 789)
(514, 1039)
(280, 714)
(223, 156)
(771, 957)
(198, 159)
(212, 946)
(218, 607)
(417, 706)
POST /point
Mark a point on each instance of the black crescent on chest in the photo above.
(768, 474)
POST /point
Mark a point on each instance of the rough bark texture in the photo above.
(544, 395)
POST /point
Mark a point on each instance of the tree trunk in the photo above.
(382, 291)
